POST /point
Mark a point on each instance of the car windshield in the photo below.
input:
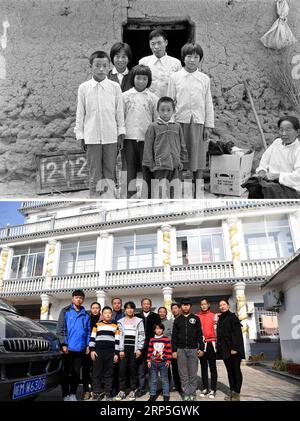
(5, 306)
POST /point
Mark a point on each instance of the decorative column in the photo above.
(100, 297)
(166, 252)
(234, 245)
(294, 222)
(241, 306)
(5, 258)
(104, 255)
(167, 293)
(45, 306)
(51, 261)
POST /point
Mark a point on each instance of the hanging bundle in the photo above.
(280, 35)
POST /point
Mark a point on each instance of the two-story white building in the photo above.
(164, 250)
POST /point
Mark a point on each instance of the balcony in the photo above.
(199, 273)
(153, 211)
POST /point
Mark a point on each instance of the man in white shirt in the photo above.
(100, 124)
(162, 66)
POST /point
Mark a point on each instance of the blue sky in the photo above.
(9, 213)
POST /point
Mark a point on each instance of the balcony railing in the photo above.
(147, 276)
(144, 210)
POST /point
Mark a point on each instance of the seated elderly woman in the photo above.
(278, 174)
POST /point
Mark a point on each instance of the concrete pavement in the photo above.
(259, 385)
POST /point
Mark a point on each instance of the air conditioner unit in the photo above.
(273, 300)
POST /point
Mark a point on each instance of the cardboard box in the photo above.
(228, 172)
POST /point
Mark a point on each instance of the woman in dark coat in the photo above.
(230, 348)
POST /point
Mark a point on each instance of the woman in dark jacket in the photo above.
(230, 348)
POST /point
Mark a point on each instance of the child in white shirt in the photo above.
(100, 124)
(140, 112)
(190, 89)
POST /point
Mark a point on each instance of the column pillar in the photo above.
(5, 264)
(166, 251)
(241, 304)
(294, 220)
(234, 245)
(104, 255)
(167, 293)
(45, 306)
(51, 261)
(100, 297)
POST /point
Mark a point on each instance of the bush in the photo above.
(280, 365)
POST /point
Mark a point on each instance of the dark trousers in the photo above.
(128, 364)
(86, 372)
(116, 380)
(164, 189)
(133, 154)
(209, 359)
(103, 369)
(234, 373)
(71, 372)
(175, 374)
(142, 370)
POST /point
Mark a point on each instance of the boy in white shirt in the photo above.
(100, 125)
(162, 66)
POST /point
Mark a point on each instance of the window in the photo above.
(266, 323)
(268, 238)
(135, 251)
(200, 245)
(27, 262)
(77, 257)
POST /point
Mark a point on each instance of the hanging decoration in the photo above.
(280, 35)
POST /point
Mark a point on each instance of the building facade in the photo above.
(164, 250)
(281, 292)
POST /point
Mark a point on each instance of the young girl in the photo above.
(140, 112)
(190, 89)
(120, 55)
(159, 358)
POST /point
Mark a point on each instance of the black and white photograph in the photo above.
(149, 205)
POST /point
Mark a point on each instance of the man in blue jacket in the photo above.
(73, 331)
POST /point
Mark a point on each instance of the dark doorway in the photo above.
(136, 33)
(32, 310)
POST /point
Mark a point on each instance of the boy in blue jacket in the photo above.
(73, 331)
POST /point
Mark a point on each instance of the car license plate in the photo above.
(29, 387)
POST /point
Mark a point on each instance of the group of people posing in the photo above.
(159, 115)
(127, 353)
(134, 111)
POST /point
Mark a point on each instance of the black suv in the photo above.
(30, 360)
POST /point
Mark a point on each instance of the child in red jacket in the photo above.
(159, 358)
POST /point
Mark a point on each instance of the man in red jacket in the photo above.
(208, 321)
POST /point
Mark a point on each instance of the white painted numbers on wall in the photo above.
(3, 42)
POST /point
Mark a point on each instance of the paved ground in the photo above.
(259, 385)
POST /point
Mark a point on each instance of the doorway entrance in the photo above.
(136, 33)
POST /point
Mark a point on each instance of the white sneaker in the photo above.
(67, 398)
(73, 398)
(204, 393)
(212, 394)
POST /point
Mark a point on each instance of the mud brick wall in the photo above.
(44, 59)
